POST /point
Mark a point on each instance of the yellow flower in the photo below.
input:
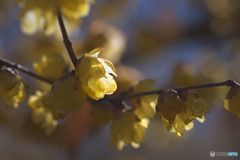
(195, 108)
(42, 111)
(95, 75)
(145, 105)
(41, 15)
(232, 101)
(51, 66)
(128, 129)
(179, 114)
(11, 88)
(169, 106)
(68, 94)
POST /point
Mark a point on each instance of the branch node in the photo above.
(232, 83)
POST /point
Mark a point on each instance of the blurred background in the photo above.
(175, 42)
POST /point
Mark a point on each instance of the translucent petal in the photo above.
(135, 145)
(179, 126)
(148, 104)
(108, 66)
(201, 120)
(169, 106)
(95, 53)
(200, 107)
(145, 105)
(189, 126)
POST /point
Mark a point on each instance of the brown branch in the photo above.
(66, 40)
(23, 69)
(229, 83)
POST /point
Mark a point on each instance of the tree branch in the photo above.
(66, 41)
(229, 83)
(23, 69)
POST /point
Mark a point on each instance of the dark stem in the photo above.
(229, 83)
(23, 69)
(66, 41)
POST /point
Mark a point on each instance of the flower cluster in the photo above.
(179, 113)
(129, 119)
(128, 129)
(93, 77)
(42, 110)
(42, 15)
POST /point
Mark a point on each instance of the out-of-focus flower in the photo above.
(187, 74)
(195, 108)
(111, 39)
(42, 15)
(128, 129)
(68, 94)
(11, 88)
(169, 105)
(42, 110)
(95, 75)
(51, 66)
(144, 106)
(179, 114)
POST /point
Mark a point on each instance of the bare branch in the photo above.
(25, 70)
(229, 83)
(66, 41)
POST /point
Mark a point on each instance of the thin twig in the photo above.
(229, 83)
(19, 67)
(66, 40)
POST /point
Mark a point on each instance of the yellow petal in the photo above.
(179, 126)
(232, 101)
(14, 96)
(67, 94)
(108, 66)
(95, 52)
